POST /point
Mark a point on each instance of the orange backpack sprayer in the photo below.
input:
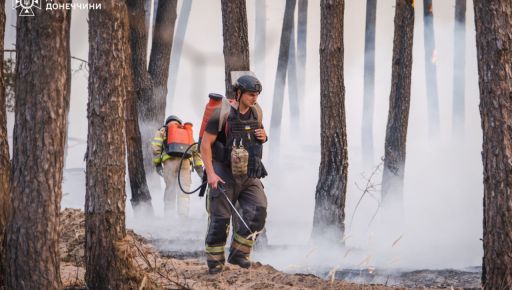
(179, 137)
(215, 101)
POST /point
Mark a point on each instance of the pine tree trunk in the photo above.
(106, 266)
(236, 43)
(152, 113)
(5, 163)
(43, 79)
(143, 85)
(369, 83)
(160, 59)
(430, 68)
(459, 68)
(141, 197)
(493, 21)
(329, 217)
(302, 33)
(260, 35)
(282, 67)
(143, 89)
(399, 102)
(177, 47)
(293, 87)
(148, 4)
(151, 83)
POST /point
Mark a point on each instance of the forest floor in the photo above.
(179, 272)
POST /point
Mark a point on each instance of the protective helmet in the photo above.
(247, 83)
(173, 118)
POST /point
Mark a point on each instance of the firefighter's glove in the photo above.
(199, 170)
(255, 168)
(160, 170)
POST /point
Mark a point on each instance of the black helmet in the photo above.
(173, 118)
(247, 83)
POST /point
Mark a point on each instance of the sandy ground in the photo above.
(169, 273)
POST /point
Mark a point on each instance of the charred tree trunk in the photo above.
(177, 46)
(5, 163)
(493, 21)
(151, 84)
(399, 102)
(260, 35)
(459, 68)
(369, 83)
(153, 6)
(236, 43)
(142, 80)
(282, 67)
(136, 141)
(430, 68)
(141, 198)
(160, 58)
(143, 85)
(107, 266)
(293, 86)
(43, 79)
(148, 14)
(302, 33)
(329, 216)
(152, 114)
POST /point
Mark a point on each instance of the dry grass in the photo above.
(156, 272)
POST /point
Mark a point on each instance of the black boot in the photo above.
(239, 259)
(215, 269)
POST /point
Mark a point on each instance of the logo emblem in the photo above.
(26, 6)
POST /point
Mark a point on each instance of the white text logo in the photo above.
(27, 6)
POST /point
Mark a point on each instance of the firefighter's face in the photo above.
(249, 98)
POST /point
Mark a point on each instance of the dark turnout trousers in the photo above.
(252, 205)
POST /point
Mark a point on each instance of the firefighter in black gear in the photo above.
(242, 131)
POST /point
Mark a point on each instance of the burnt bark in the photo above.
(143, 85)
(177, 46)
(5, 162)
(141, 197)
(282, 67)
(147, 14)
(160, 58)
(260, 35)
(493, 21)
(369, 83)
(236, 43)
(430, 68)
(329, 216)
(399, 103)
(302, 33)
(143, 89)
(107, 266)
(42, 102)
(151, 83)
(459, 68)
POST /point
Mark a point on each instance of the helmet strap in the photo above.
(238, 95)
